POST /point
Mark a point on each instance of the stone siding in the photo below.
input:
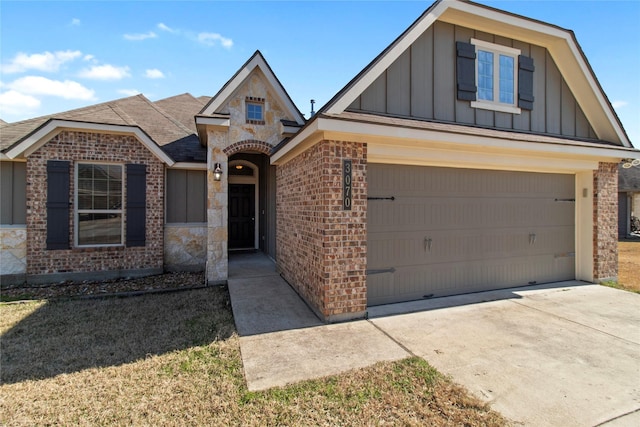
(185, 247)
(92, 147)
(240, 136)
(13, 250)
(605, 220)
(322, 248)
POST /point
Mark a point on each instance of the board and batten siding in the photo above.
(421, 84)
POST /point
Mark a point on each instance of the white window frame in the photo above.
(77, 212)
(498, 50)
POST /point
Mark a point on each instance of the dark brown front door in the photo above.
(241, 216)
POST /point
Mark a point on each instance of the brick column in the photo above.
(605, 222)
(322, 248)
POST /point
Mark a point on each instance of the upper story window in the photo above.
(99, 200)
(496, 77)
(255, 110)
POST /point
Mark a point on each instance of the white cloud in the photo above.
(166, 28)
(89, 57)
(37, 85)
(75, 22)
(619, 104)
(13, 102)
(211, 39)
(154, 74)
(129, 92)
(105, 72)
(47, 61)
(138, 37)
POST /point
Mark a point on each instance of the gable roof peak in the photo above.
(256, 60)
(561, 44)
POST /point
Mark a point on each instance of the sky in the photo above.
(60, 55)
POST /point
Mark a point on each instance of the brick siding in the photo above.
(605, 220)
(322, 249)
(92, 147)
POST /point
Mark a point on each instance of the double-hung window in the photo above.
(496, 77)
(99, 200)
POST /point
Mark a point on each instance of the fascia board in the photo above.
(372, 133)
(300, 142)
(213, 121)
(189, 165)
(53, 127)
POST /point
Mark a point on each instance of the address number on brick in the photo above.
(347, 194)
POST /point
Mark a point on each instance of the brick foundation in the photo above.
(92, 147)
(322, 248)
(605, 220)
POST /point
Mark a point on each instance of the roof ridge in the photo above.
(167, 115)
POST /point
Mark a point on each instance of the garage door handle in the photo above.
(427, 244)
(532, 238)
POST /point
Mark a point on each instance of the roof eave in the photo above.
(41, 135)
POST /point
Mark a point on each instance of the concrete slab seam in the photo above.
(574, 322)
(402, 346)
(604, 423)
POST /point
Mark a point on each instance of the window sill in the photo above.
(496, 107)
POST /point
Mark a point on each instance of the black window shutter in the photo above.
(57, 204)
(466, 71)
(525, 82)
(136, 204)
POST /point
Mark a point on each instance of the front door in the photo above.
(241, 216)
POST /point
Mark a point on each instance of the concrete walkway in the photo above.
(281, 339)
(562, 354)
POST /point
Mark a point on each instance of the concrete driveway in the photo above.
(566, 354)
(560, 355)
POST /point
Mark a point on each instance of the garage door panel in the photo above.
(455, 213)
(386, 250)
(450, 231)
(409, 283)
(393, 180)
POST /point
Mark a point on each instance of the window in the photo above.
(496, 77)
(255, 110)
(99, 199)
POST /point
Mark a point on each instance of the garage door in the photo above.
(443, 231)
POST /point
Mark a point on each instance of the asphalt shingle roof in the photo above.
(166, 122)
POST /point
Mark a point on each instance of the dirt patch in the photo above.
(165, 281)
(629, 265)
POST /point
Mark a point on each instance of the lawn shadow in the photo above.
(65, 336)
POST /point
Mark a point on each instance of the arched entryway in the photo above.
(251, 211)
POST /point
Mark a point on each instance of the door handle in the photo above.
(427, 244)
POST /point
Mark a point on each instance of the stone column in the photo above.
(217, 211)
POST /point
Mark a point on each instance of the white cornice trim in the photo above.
(454, 137)
(43, 134)
(213, 121)
(189, 165)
